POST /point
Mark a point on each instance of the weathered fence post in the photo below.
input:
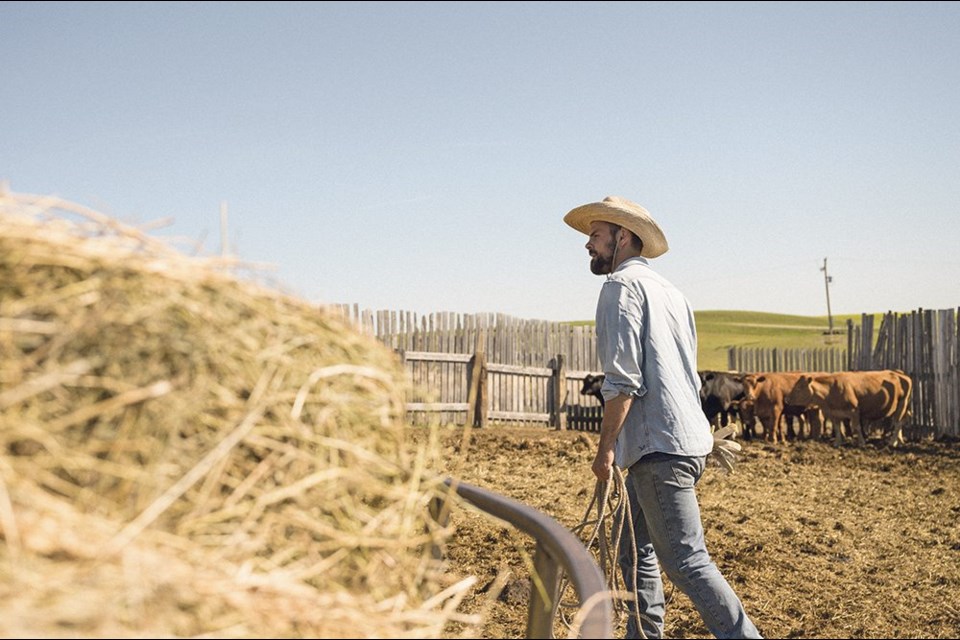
(558, 382)
(483, 393)
(477, 384)
(402, 354)
(473, 382)
(851, 344)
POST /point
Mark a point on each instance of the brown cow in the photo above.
(855, 395)
(810, 416)
(895, 437)
(765, 398)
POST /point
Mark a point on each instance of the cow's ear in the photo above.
(761, 378)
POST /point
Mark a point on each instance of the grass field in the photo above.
(717, 331)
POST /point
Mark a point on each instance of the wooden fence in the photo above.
(505, 339)
(750, 359)
(531, 371)
(519, 380)
(467, 389)
(925, 344)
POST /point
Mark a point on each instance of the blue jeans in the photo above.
(668, 530)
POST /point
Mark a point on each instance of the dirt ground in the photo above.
(818, 541)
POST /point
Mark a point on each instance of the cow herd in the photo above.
(802, 404)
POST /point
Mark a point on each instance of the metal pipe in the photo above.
(561, 546)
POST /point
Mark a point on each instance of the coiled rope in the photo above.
(612, 508)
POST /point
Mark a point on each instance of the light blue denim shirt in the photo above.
(647, 344)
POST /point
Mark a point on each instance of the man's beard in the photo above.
(600, 266)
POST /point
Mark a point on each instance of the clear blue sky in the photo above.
(421, 156)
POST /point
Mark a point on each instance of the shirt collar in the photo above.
(629, 261)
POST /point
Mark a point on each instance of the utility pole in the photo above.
(826, 285)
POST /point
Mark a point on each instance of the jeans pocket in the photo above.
(684, 473)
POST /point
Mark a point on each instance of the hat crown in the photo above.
(626, 205)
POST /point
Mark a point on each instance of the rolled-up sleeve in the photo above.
(619, 340)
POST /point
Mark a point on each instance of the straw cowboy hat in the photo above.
(628, 215)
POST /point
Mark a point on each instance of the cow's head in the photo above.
(592, 384)
(705, 383)
(750, 383)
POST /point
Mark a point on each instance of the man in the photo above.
(653, 424)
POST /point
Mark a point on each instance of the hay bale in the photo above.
(185, 452)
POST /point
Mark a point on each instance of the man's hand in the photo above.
(603, 463)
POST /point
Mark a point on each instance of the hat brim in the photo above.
(635, 218)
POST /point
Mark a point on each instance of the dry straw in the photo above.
(186, 453)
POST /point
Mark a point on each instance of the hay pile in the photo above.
(185, 453)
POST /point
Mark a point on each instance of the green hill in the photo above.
(717, 331)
